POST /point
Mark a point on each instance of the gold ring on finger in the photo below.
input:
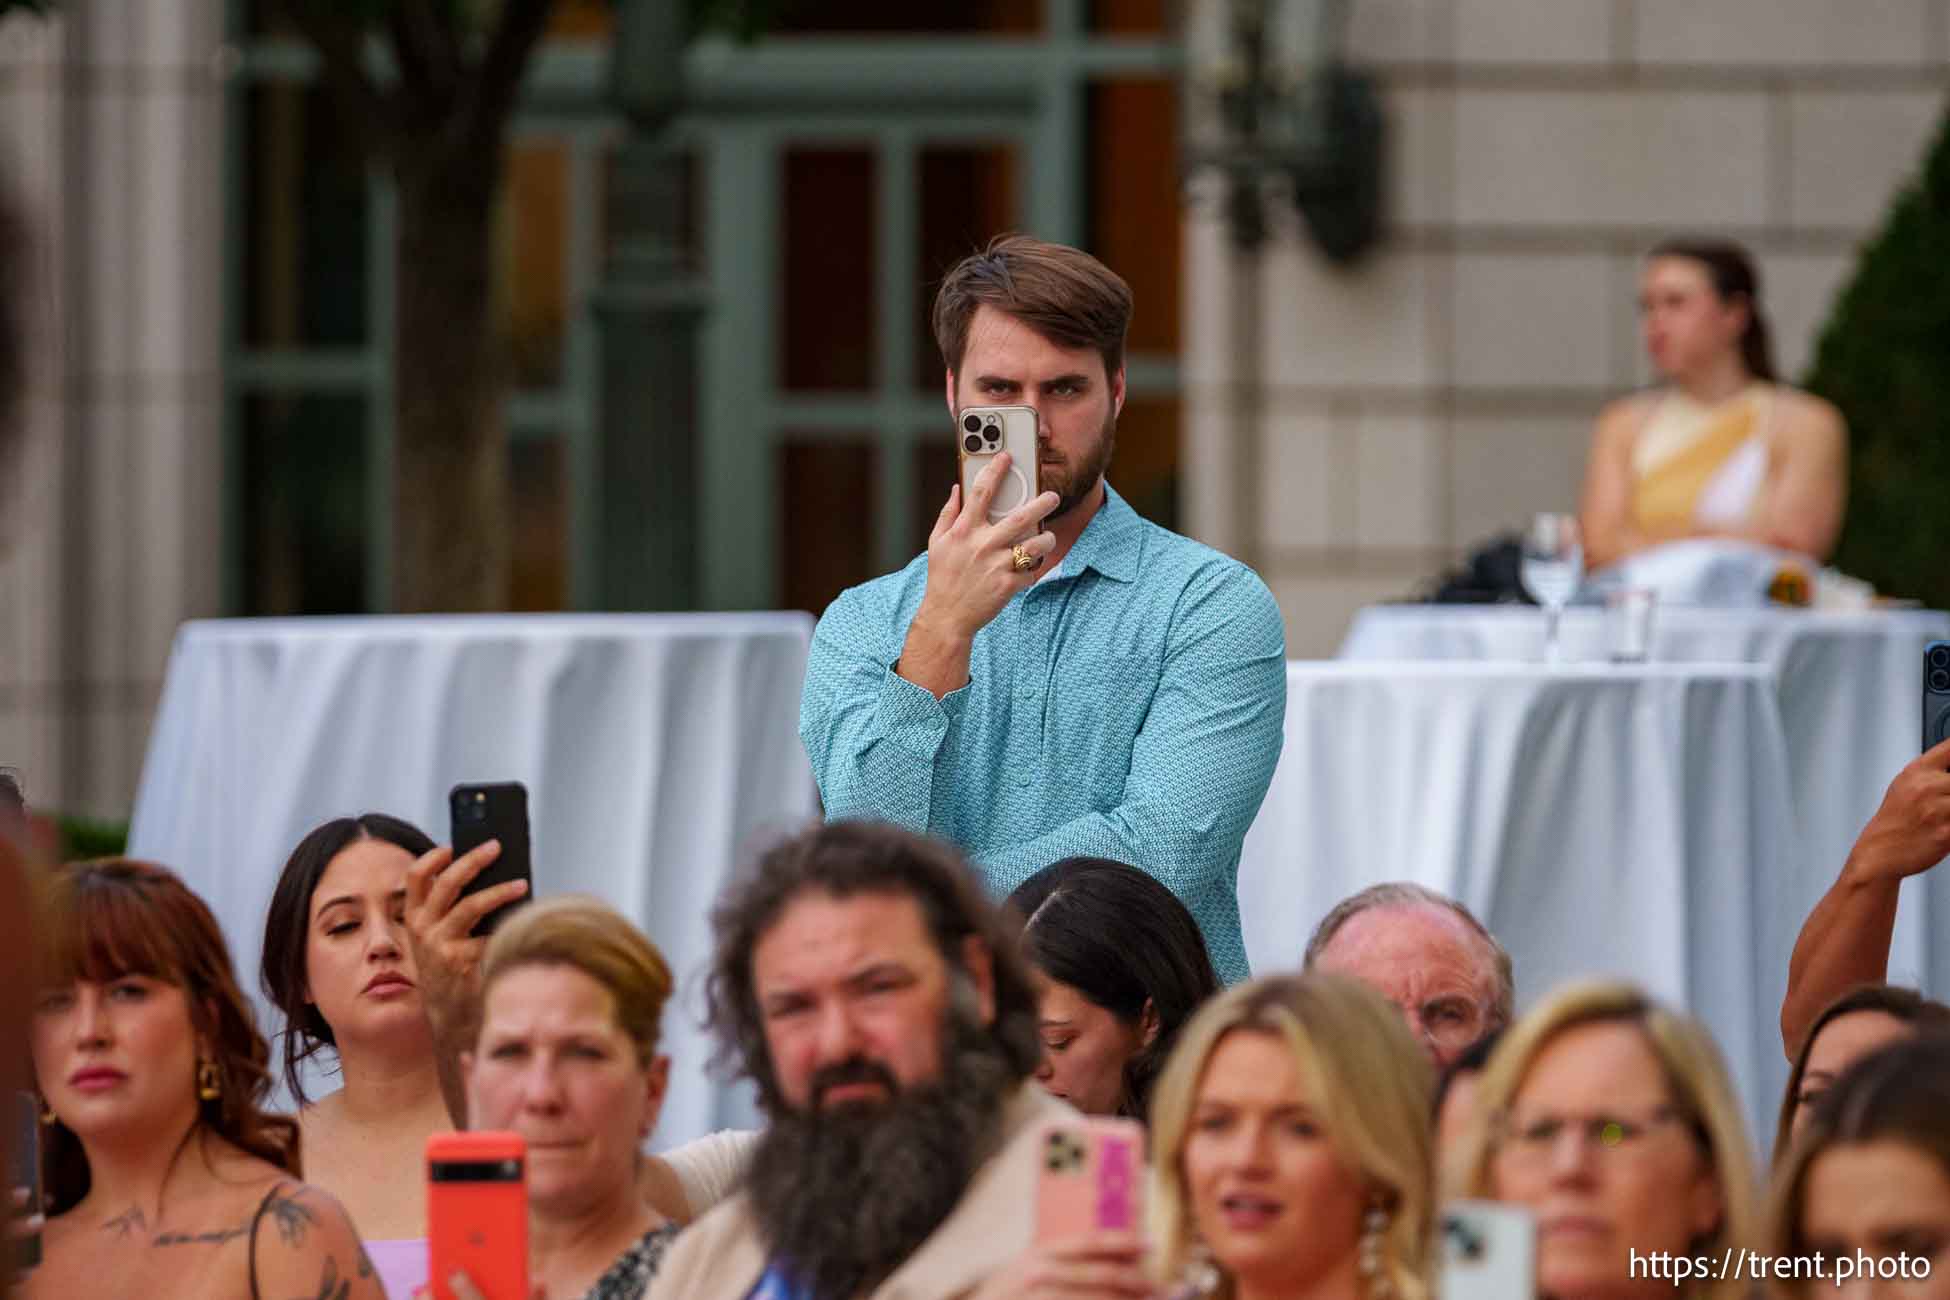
(1023, 560)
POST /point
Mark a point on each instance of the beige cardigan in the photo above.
(720, 1257)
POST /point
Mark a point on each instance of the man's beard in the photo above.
(843, 1196)
(1072, 486)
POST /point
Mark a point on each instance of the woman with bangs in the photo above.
(1292, 1156)
(164, 1177)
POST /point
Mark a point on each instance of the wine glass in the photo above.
(1553, 566)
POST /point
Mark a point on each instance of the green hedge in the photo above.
(1884, 359)
(83, 838)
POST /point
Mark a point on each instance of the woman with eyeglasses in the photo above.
(1610, 1118)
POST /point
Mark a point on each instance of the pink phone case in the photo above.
(1091, 1180)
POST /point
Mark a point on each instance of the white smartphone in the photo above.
(982, 433)
(1489, 1251)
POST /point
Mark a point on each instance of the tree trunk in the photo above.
(450, 507)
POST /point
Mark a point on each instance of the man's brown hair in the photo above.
(1063, 293)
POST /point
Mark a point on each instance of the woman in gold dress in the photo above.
(1722, 448)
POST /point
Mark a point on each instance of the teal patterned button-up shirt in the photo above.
(1129, 707)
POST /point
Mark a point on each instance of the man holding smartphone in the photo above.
(1070, 679)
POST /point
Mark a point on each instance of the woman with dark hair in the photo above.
(1867, 1183)
(336, 963)
(1849, 1028)
(1120, 968)
(1723, 449)
(163, 1174)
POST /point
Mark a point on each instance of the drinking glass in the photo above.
(1553, 566)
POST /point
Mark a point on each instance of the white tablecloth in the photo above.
(1851, 691)
(1600, 821)
(658, 750)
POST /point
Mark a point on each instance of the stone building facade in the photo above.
(1386, 418)
(111, 136)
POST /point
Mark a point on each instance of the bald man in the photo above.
(1426, 953)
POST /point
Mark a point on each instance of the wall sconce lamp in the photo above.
(1270, 103)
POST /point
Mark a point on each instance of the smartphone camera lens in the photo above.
(1940, 657)
(1940, 680)
(972, 443)
(972, 423)
(992, 432)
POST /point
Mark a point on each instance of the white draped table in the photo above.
(1600, 820)
(658, 751)
(1851, 707)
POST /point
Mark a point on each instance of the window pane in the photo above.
(825, 520)
(968, 196)
(582, 20)
(532, 268)
(304, 495)
(829, 242)
(1130, 17)
(1134, 204)
(304, 220)
(538, 485)
(1144, 467)
(934, 468)
(1018, 17)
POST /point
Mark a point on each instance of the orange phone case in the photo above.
(477, 1213)
(1091, 1179)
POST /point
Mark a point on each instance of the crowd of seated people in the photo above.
(911, 1045)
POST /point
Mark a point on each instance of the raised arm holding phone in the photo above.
(1066, 679)
(1845, 940)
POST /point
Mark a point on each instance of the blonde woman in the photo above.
(572, 1003)
(1610, 1118)
(1292, 1152)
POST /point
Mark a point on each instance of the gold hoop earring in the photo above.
(48, 1117)
(209, 1081)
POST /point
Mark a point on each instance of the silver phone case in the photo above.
(997, 429)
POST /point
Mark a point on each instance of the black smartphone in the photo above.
(479, 813)
(1936, 694)
(24, 1170)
